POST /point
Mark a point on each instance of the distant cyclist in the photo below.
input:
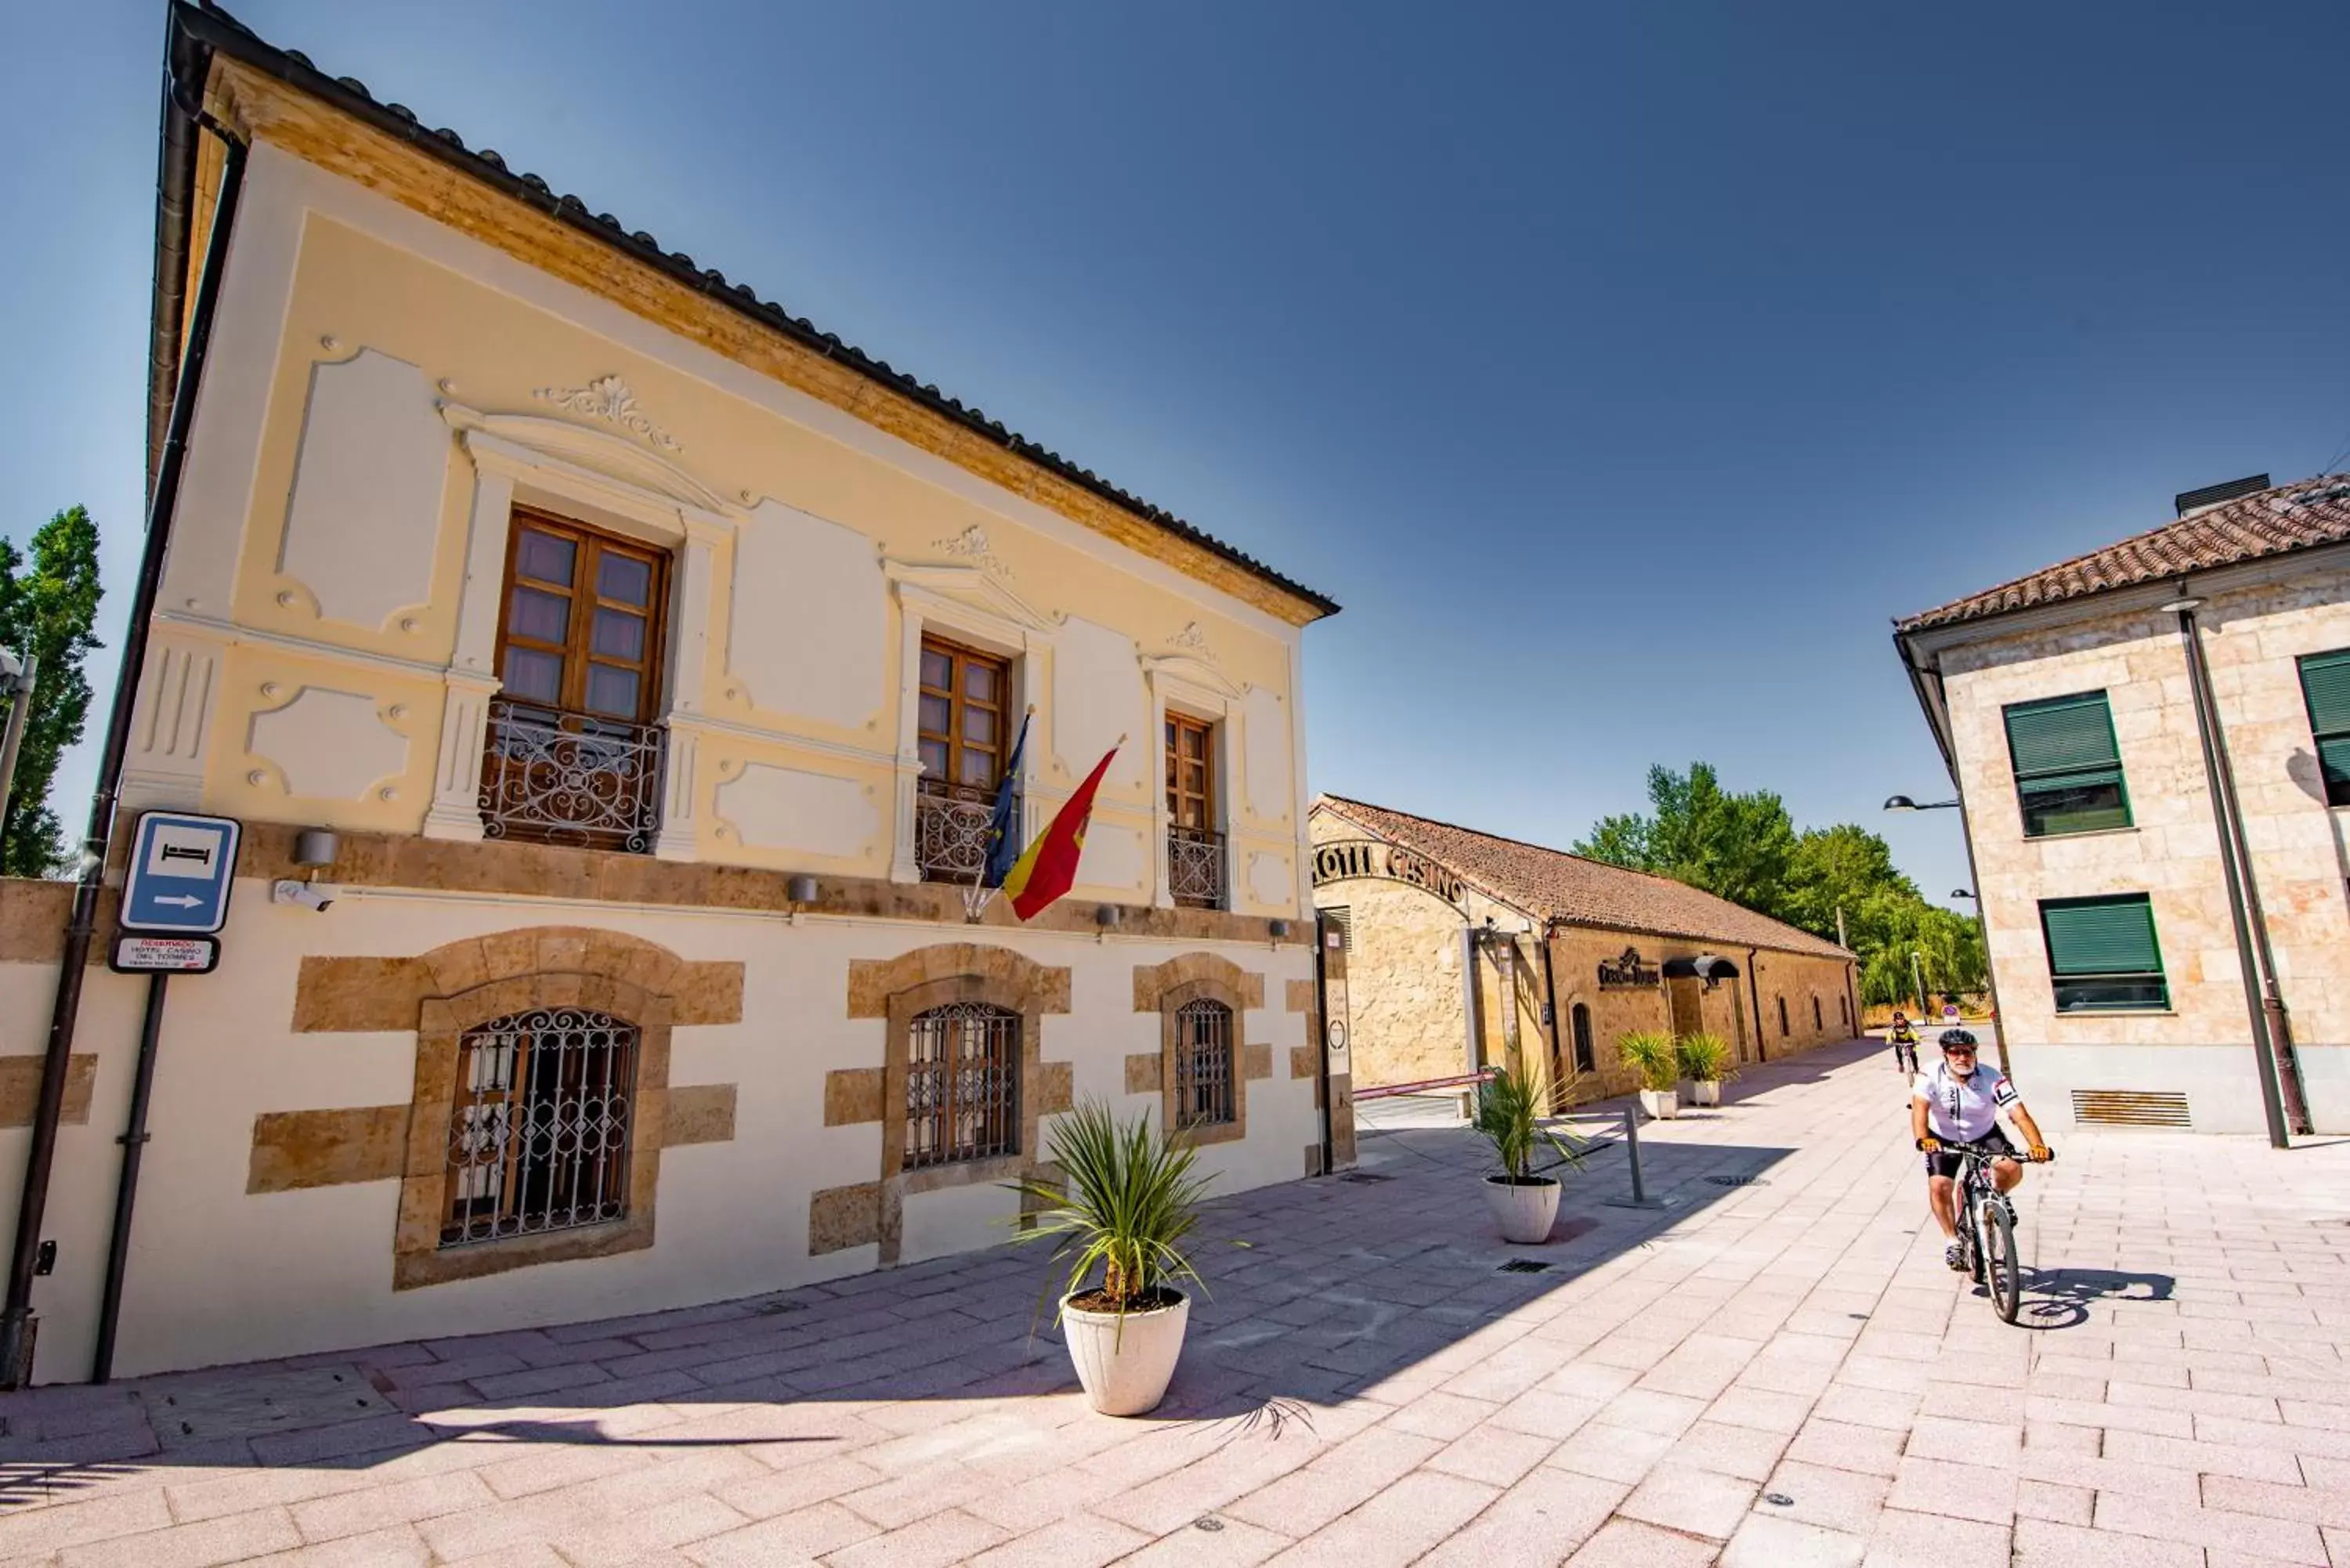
(1957, 1104)
(1904, 1045)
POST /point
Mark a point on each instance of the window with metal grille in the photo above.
(963, 1084)
(1203, 1063)
(963, 729)
(1580, 1016)
(2325, 686)
(2102, 953)
(1341, 922)
(538, 1138)
(2068, 767)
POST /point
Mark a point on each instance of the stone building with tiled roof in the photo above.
(1464, 950)
(2151, 743)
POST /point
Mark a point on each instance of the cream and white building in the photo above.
(653, 658)
(2152, 747)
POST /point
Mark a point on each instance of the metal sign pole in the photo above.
(126, 1194)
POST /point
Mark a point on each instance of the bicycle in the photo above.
(1985, 1212)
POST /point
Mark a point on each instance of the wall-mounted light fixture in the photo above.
(801, 889)
(314, 849)
(1278, 928)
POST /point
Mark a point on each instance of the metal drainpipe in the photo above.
(1473, 1001)
(1755, 989)
(1320, 1035)
(40, 1157)
(2280, 1076)
(1550, 1006)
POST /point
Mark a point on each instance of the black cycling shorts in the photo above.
(1944, 1161)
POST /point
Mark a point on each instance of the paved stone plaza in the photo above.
(1771, 1372)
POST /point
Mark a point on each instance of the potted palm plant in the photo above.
(1650, 1053)
(1524, 1199)
(1128, 1208)
(1705, 1063)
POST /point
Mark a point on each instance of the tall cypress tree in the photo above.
(46, 609)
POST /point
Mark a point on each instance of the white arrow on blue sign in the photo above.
(182, 867)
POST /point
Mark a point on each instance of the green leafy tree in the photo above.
(1734, 846)
(48, 606)
(1839, 868)
(1743, 847)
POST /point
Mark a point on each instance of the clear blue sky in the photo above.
(1621, 367)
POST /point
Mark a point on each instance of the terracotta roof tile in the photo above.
(1579, 892)
(217, 29)
(2273, 521)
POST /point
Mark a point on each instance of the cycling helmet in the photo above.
(1956, 1037)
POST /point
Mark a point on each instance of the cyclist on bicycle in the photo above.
(1904, 1036)
(1958, 1102)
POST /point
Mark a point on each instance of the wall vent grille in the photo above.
(2131, 1107)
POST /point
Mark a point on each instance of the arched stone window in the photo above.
(1204, 1066)
(963, 1084)
(539, 1127)
(1580, 1019)
(1206, 1079)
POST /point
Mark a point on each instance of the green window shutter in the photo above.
(2068, 734)
(2101, 936)
(2333, 759)
(2325, 682)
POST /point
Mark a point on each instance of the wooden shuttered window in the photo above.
(2103, 955)
(580, 630)
(964, 725)
(2068, 769)
(2325, 686)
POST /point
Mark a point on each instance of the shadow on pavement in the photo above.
(1314, 1290)
(2057, 1299)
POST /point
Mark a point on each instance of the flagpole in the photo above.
(978, 896)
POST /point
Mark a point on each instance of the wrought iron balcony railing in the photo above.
(1195, 867)
(950, 829)
(552, 777)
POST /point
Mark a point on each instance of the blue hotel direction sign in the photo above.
(180, 868)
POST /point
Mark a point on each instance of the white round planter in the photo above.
(1525, 1211)
(1125, 1364)
(1706, 1092)
(1660, 1104)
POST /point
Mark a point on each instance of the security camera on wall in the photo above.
(305, 895)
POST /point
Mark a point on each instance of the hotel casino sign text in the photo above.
(1628, 973)
(1370, 858)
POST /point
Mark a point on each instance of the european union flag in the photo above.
(1004, 822)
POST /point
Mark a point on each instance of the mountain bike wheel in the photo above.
(2003, 1274)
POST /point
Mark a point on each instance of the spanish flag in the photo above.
(1049, 867)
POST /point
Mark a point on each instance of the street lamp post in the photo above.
(1982, 919)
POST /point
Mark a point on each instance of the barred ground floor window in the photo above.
(963, 1084)
(540, 1130)
(1203, 1065)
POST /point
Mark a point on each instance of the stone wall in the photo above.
(303, 1101)
(1406, 996)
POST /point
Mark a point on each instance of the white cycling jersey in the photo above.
(1960, 1110)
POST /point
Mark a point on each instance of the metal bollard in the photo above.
(1639, 1199)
